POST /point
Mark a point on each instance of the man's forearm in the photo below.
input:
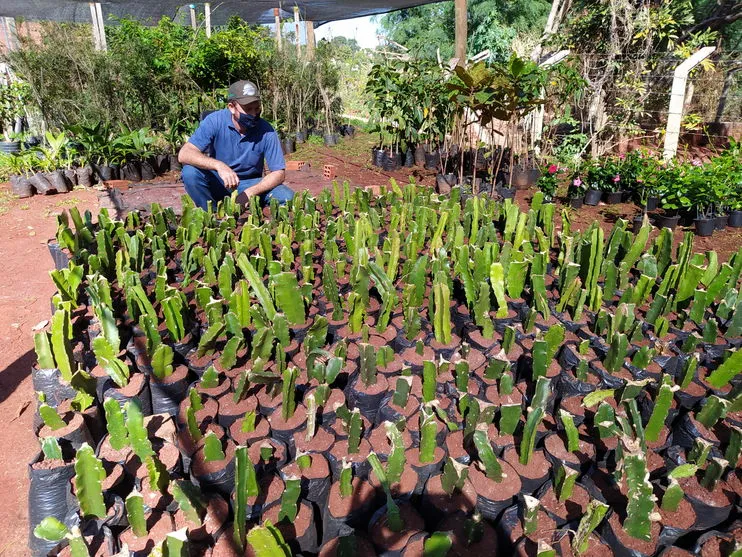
(189, 154)
(268, 182)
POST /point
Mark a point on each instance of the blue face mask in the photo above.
(247, 121)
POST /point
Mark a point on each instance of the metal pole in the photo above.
(296, 25)
(207, 18)
(677, 100)
(101, 27)
(460, 15)
(277, 19)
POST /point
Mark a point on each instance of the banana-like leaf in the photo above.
(257, 285)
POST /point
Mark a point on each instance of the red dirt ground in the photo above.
(25, 290)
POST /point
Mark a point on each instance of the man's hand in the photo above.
(228, 176)
(244, 197)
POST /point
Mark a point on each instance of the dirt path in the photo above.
(25, 290)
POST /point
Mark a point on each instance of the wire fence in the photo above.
(627, 98)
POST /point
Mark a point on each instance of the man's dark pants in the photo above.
(206, 185)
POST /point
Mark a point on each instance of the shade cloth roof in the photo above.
(254, 11)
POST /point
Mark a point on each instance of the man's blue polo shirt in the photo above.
(242, 153)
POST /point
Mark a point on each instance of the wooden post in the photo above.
(677, 100)
(277, 19)
(94, 17)
(298, 37)
(460, 13)
(192, 8)
(101, 27)
(207, 18)
(309, 25)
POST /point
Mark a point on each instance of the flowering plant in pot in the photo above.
(646, 184)
(612, 183)
(702, 193)
(673, 194)
(548, 182)
(576, 191)
(734, 205)
(726, 175)
(595, 175)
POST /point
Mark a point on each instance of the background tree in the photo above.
(497, 25)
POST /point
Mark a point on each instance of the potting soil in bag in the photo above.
(624, 545)
(84, 176)
(49, 494)
(21, 186)
(220, 481)
(60, 257)
(686, 431)
(71, 176)
(315, 479)
(49, 382)
(368, 403)
(168, 393)
(41, 184)
(138, 388)
(341, 516)
(301, 533)
(58, 181)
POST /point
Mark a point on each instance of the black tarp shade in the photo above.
(254, 11)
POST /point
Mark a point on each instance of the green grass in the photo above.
(356, 150)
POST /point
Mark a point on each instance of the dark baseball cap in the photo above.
(243, 92)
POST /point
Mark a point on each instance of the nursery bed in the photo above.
(479, 358)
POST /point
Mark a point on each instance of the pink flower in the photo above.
(577, 182)
(553, 169)
(697, 162)
(622, 156)
(617, 178)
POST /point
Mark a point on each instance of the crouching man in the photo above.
(228, 150)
